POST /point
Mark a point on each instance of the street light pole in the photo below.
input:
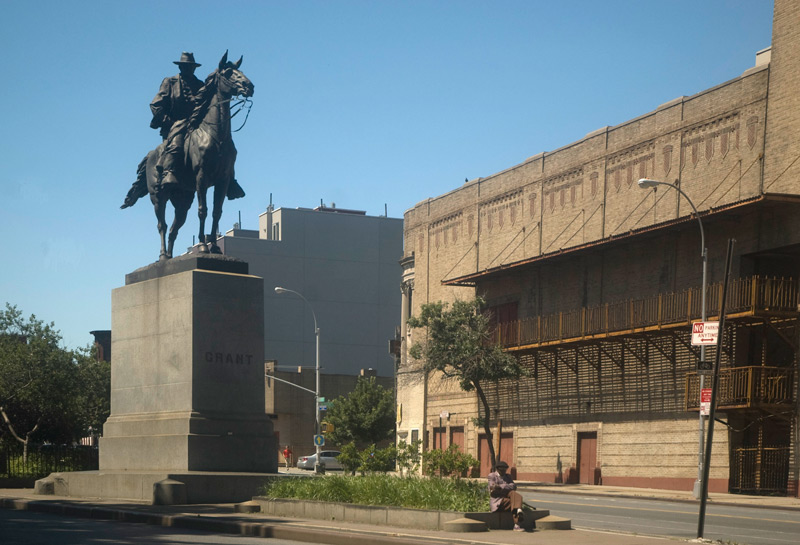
(646, 183)
(279, 290)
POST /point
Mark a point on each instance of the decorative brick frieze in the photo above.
(500, 212)
(752, 131)
(722, 133)
(563, 191)
(625, 168)
(446, 231)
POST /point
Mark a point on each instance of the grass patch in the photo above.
(389, 490)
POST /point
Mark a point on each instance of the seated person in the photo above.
(503, 495)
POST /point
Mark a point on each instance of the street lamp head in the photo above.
(646, 183)
(279, 289)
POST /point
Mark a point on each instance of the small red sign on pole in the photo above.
(705, 401)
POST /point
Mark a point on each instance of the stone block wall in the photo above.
(544, 453)
(657, 453)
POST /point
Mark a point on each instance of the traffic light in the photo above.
(326, 427)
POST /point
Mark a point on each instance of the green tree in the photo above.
(94, 392)
(350, 458)
(408, 456)
(365, 415)
(450, 462)
(375, 460)
(459, 344)
(47, 392)
(369, 460)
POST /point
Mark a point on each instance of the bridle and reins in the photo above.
(241, 103)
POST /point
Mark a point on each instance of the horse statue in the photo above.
(209, 159)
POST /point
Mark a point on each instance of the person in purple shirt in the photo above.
(503, 495)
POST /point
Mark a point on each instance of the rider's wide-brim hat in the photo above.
(187, 58)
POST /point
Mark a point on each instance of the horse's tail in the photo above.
(139, 187)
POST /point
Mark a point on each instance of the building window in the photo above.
(276, 231)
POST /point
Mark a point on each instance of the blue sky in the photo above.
(364, 104)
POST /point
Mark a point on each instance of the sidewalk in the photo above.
(769, 502)
(221, 518)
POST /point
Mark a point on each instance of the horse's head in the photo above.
(231, 80)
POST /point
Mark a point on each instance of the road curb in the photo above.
(209, 524)
(545, 490)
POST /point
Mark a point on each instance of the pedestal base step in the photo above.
(465, 525)
(247, 507)
(553, 523)
(190, 487)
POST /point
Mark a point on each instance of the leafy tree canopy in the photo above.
(365, 416)
(94, 392)
(458, 342)
(47, 392)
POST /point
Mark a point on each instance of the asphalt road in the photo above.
(30, 528)
(734, 524)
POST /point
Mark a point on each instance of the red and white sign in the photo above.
(705, 401)
(704, 333)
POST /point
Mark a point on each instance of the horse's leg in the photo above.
(181, 204)
(220, 190)
(160, 207)
(202, 213)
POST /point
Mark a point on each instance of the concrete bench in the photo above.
(503, 520)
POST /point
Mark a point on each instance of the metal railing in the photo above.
(745, 387)
(763, 470)
(752, 294)
(41, 460)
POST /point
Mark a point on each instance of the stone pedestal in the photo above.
(188, 421)
(187, 371)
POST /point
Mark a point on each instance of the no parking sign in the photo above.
(704, 333)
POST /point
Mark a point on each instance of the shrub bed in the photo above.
(412, 492)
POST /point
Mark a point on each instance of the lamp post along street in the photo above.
(646, 183)
(317, 429)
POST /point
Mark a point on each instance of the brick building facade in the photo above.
(594, 283)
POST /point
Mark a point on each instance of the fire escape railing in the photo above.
(745, 295)
(760, 470)
(745, 388)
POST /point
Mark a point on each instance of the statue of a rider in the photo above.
(172, 107)
(172, 110)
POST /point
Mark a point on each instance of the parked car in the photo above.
(327, 457)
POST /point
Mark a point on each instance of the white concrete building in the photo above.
(346, 264)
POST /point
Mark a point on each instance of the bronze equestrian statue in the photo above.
(197, 150)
